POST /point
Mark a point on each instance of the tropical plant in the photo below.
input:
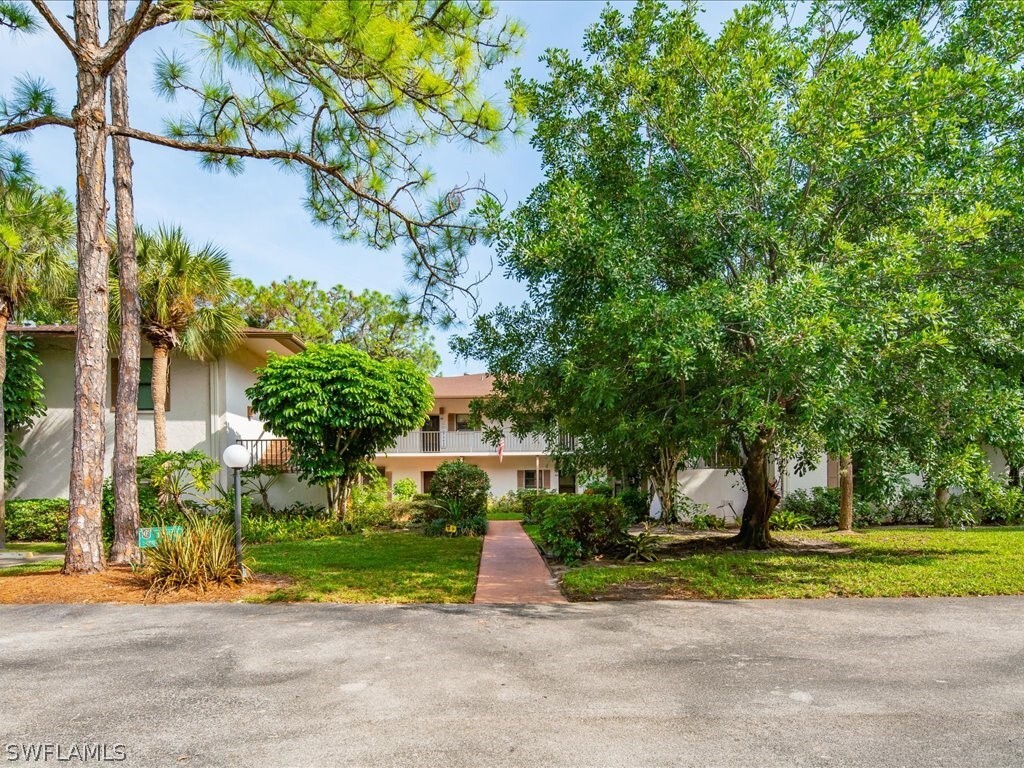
(453, 517)
(179, 478)
(259, 479)
(200, 556)
(181, 302)
(788, 520)
(36, 227)
(641, 547)
(338, 408)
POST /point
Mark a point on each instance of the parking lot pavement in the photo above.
(829, 682)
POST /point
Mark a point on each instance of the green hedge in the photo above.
(577, 527)
(37, 520)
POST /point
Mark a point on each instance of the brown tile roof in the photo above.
(467, 385)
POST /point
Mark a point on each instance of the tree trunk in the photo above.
(846, 492)
(666, 485)
(125, 548)
(941, 502)
(343, 484)
(161, 361)
(762, 497)
(84, 551)
(4, 317)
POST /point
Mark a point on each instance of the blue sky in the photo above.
(258, 217)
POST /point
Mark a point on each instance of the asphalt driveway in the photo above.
(829, 682)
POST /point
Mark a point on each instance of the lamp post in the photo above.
(237, 458)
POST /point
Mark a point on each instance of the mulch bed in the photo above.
(118, 584)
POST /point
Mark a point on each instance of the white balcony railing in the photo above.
(467, 442)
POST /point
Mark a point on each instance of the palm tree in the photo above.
(37, 235)
(181, 298)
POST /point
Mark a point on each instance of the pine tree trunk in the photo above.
(125, 548)
(84, 551)
(762, 497)
(941, 519)
(4, 317)
(161, 360)
(846, 492)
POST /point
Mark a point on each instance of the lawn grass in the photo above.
(882, 562)
(504, 516)
(40, 566)
(38, 547)
(376, 568)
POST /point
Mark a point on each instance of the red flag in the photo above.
(501, 449)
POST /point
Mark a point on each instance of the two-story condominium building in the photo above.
(207, 410)
(447, 434)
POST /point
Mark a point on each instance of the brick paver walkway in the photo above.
(511, 569)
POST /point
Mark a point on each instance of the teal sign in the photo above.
(148, 537)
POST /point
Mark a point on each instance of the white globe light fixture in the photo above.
(237, 458)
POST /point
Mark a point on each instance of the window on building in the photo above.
(566, 483)
(462, 423)
(527, 479)
(145, 401)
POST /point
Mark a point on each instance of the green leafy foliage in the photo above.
(461, 482)
(641, 548)
(182, 294)
(790, 237)
(178, 478)
(452, 517)
(577, 527)
(37, 520)
(338, 408)
(706, 522)
(637, 503)
(788, 520)
(24, 400)
(459, 493)
(404, 489)
(380, 325)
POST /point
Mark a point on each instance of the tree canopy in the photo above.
(378, 324)
(793, 227)
(338, 408)
(346, 94)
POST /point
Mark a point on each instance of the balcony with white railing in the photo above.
(466, 442)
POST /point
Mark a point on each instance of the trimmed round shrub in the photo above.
(466, 484)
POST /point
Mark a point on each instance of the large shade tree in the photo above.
(344, 93)
(182, 308)
(338, 408)
(771, 218)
